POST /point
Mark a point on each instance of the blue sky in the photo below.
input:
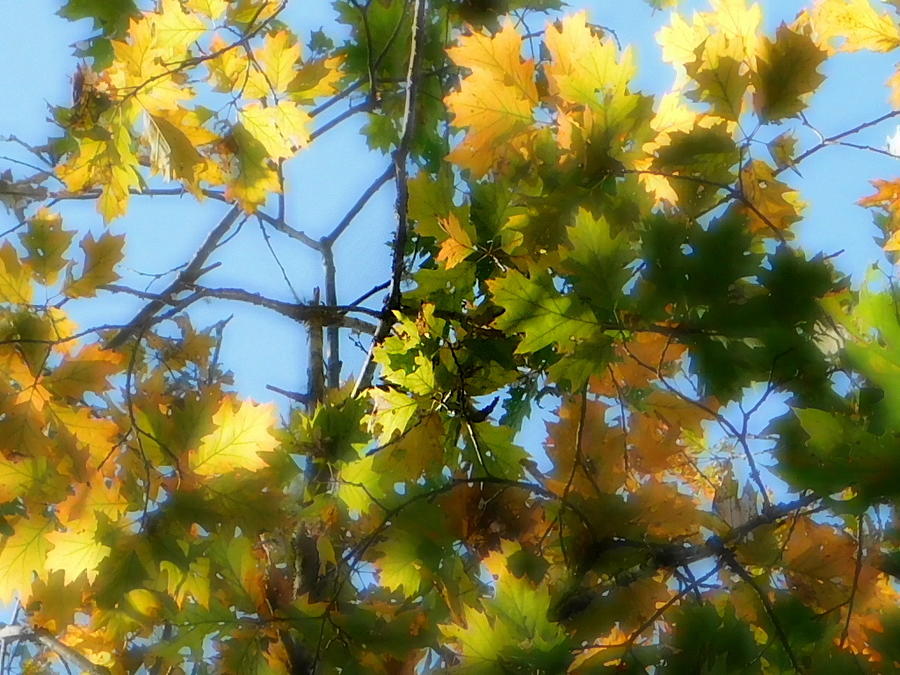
(35, 46)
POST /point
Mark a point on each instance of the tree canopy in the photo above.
(561, 241)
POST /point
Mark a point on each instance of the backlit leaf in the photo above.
(242, 432)
(101, 256)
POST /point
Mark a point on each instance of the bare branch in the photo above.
(187, 276)
(401, 154)
(832, 140)
(42, 637)
(358, 206)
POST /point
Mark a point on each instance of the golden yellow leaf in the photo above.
(176, 30)
(854, 25)
(894, 84)
(495, 102)
(172, 154)
(281, 129)
(74, 552)
(252, 175)
(278, 59)
(15, 278)
(585, 69)
(139, 72)
(317, 78)
(193, 582)
(739, 22)
(458, 244)
(775, 205)
(211, 9)
(242, 432)
(499, 56)
(101, 256)
(230, 69)
(23, 556)
(680, 39)
(85, 372)
(100, 495)
(19, 476)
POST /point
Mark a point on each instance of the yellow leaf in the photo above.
(146, 604)
(100, 258)
(74, 552)
(393, 411)
(498, 55)
(585, 69)
(854, 25)
(139, 72)
(62, 328)
(775, 204)
(22, 557)
(894, 84)
(739, 22)
(15, 279)
(680, 39)
(212, 9)
(253, 177)
(317, 78)
(79, 510)
(229, 70)
(191, 582)
(241, 433)
(85, 372)
(19, 476)
(359, 483)
(495, 101)
(176, 30)
(281, 129)
(172, 155)
(278, 59)
(457, 246)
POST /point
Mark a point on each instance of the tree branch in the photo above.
(43, 638)
(401, 154)
(187, 276)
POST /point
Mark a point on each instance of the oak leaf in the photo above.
(786, 74)
(242, 432)
(24, 556)
(101, 256)
(854, 25)
(76, 552)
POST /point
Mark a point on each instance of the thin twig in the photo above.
(364, 198)
(188, 275)
(831, 140)
(853, 589)
(401, 154)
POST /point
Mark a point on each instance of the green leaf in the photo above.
(721, 78)
(536, 308)
(786, 74)
(110, 16)
(47, 244)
